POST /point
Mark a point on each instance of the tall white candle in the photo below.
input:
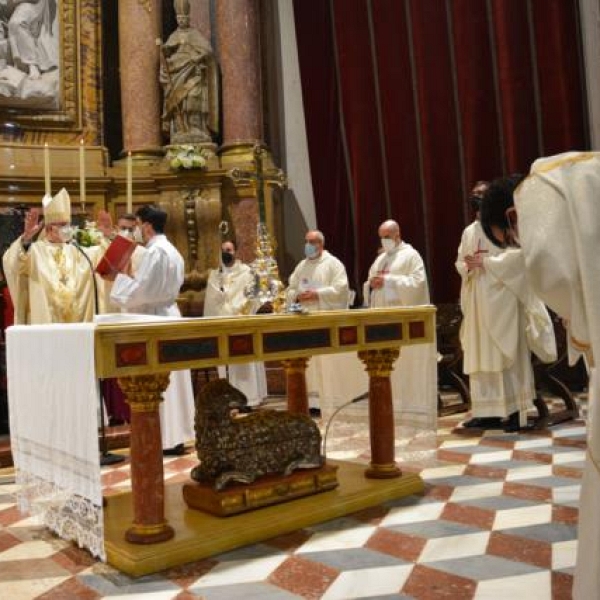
(47, 185)
(82, 174)
(129, 183)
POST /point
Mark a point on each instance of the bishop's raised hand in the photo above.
(32, 225)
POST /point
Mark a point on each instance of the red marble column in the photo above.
(139, 31)
(238, 52)
(144, 394)
(295, 370)
(379, 365)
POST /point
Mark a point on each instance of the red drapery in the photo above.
(409, 102)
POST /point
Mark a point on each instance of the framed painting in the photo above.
(40, 63)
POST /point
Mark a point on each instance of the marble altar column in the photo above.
(139, 51)
(238, 51)
(144, 395)
(295, 371)
(380, 364)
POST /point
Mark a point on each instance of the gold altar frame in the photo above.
(68, 115)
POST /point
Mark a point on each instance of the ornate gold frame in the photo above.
(68, 116)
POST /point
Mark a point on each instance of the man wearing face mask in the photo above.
(225, 297)
(50, 280)
(479, 358)
(397, 277)
(319, 282)
(152, 289)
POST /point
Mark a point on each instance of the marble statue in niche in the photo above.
(188, 75)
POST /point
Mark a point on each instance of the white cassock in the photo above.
(492, 334)
(225, 297)
(327, 276)
(414, 378)
(153, 291)
(559, 231)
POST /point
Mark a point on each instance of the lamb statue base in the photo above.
(261, 451)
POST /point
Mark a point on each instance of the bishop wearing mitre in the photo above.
(50, 279)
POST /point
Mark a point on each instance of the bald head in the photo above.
(389, 229)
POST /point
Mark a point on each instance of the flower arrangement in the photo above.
(187, 156)
(89, 236)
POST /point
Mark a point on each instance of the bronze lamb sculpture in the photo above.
(244, 448)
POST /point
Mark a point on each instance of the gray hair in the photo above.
(318, 234)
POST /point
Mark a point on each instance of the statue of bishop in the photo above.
(188, 74)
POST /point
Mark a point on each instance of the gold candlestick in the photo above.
(47, 184)
(82, 174)
(129, 184)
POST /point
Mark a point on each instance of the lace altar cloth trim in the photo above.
(63, 491)
(71, 516)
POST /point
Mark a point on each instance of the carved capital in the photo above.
(144, 392)
(379, 363)
(295, 365)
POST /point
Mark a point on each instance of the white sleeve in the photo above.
(148, 286)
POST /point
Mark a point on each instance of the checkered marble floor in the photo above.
(498, 520)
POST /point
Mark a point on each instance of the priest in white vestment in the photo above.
(396, 278)
(51, 280)
(482, 357)
(153, 290)
(319, 282)
(225, 297)
(559, 232)
(514, 317)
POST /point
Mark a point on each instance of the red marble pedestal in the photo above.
(295, 370)
(379, 365)
(144, 395)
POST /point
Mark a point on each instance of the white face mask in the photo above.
(126, 233)
(65, 233)
(387, 244)
(137, 235)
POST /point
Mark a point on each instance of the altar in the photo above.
(151, 528)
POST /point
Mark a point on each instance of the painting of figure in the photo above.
(29, 54)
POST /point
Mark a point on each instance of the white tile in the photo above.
(343, 454)
(462, 443)
(29, 551)
(481, 490)
(240, 571)
(322, 541)
(426, 511)
(445, 471)
(455, 546)
(564, 554)
(490, 457)
(568, 457)
(569, 432)
(529, 472)
(533, 586)
(522, 517)
(544, 442)
(28, 589)
(568, 494)
(368, 582)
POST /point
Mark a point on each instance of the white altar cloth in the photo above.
(53, 408)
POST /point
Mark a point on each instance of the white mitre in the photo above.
(57, 209)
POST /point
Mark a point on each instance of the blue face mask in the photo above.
(310, 251)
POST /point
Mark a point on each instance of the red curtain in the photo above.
(409, 102)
